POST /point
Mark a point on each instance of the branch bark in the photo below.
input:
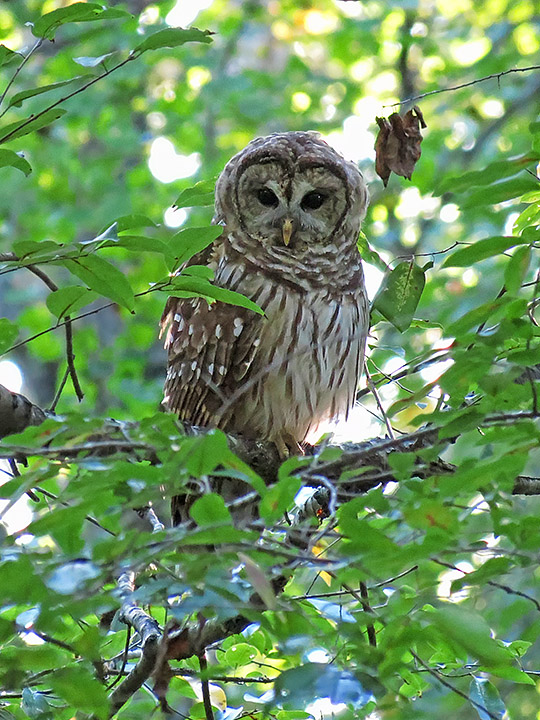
(368, 460)
(17, 412)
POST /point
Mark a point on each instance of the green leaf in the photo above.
(499, 192)
(200, 194)
(512, 673)
(30, 124)
(399, 294)
(18, 99)
(196, 286)
(65, 526)
(44, 250)
(492, 568)
(482, 249)
(8, 334)
(48, 24)
(206, 453)
(489, 175)
(470, 631)
(210, 510)
(7, 56)
(173, 37)
(528, 218)
(8, 158)
(190, 241)
(516, 269)
(485, 694)
(102, 277)
(279, 498)
(139, 243)
(240, 654)
(80, 689)
(68, 299)
(369, 255)
(128, 222)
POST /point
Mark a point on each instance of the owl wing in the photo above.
(210, 348)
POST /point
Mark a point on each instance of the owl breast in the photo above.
(308, 358)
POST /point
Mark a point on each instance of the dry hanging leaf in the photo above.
(397, 148)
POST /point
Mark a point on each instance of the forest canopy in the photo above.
(394, 571)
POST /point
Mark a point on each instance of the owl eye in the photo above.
(267, 197)
(312, 201)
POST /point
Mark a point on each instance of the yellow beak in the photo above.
(287, 230)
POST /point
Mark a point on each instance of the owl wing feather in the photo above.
(207, 344)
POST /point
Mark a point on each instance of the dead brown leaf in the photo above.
(397, 148)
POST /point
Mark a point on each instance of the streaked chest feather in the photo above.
(309, 357)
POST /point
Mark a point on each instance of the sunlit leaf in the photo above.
(400, 294)
(48, 24)
(482, 249)
(173, 37)
(202, 193)
(188, 242)
(195, 286)
(103, 277)
(489, 175)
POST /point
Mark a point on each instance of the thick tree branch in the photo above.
(368, 459)
(17, 412)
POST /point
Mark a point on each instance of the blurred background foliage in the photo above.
(130, 143)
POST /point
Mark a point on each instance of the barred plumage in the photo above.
(292, 208)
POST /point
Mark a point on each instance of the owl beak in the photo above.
(287, 230)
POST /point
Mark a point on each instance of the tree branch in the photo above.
(498, 75)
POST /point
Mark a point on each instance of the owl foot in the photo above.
(287, 446)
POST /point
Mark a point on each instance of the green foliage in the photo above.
(449, 558)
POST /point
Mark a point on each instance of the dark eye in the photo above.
(312, 201)
(267, 198)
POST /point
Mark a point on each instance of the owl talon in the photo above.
(287, 447)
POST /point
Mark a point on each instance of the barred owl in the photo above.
(291, 208)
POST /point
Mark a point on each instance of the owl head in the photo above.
(291, 191)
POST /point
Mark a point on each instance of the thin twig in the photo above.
(88, 518)
(68, 329)
(498, 75)
(132, 55)
(59, 391)
(205, 686)
(125, 656)
(27, 57)
(371, 386)
(451, 687)
(366, 607)
(506, 588)
(15, 473)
